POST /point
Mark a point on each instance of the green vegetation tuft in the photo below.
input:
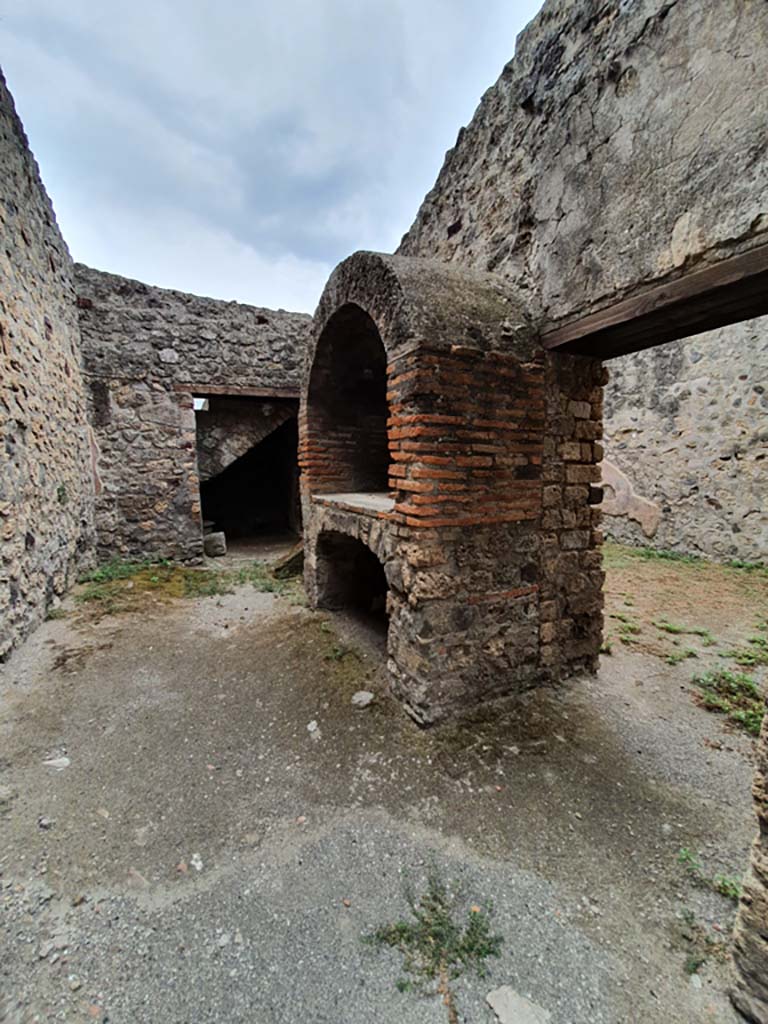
(660, 554)
(676, 630)
(726, 886)
(677, 656)
(437, 947)
(118, 585)
(733, 694)
(740, 563)
(752, 656)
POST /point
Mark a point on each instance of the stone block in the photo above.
(215, 544)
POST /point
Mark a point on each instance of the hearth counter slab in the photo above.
(366, 502)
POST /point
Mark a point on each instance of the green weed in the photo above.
(677, 656)
(733, 694)
(659, 554)
(676, 630)
(752, 656)
(726, 886)
(437, 947)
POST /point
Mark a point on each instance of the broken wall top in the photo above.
(137, 331)
(624, 144)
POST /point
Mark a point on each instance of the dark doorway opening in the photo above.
(257, 494)
(351, 578)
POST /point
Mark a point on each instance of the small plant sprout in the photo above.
(726, 886)
(437, 947)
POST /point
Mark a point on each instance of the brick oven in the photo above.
(448, 475)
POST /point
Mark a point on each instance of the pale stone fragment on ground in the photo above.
(512, 1008)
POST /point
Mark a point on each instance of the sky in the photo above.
(241, 149)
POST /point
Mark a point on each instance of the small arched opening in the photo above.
(347, 407)
(351, 578)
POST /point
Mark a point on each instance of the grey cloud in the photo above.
(298, 132)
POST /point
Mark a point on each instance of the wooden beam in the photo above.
(236, 391)
(734, 289)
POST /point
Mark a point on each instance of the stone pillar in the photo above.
(750, 940)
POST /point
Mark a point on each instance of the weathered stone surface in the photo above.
(215, 544)
(750, 948)
(605, 158)
(46, 484)
(512, 1008)
(620, 501)
(146, 352)
(687, 426)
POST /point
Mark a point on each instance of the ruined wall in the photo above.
(146, 351)
(750, 938)
(46, 488)
(622, 145)
(686, 444)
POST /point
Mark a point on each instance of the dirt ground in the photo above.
(226, 825)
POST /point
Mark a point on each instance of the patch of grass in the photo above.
(752, 656)
(55, 613)
(677, 630)
(205, 583)
(726, 886)
(606, 646)
(659, 554)
(118, 586)
(733, 694)
(116, 569)
(677, 656)
(740, 563)
(627, 630)
(437, 947)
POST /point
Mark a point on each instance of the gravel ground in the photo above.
(206, 857)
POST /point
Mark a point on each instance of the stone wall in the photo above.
(686, 445)
(604, 159)
(46, 486)
(750, 947)
(146, 352)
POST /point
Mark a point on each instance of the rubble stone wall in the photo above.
(146, 352)
(686, 445)
(750, 947)
(46, 484)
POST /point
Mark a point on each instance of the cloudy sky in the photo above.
(241, 148)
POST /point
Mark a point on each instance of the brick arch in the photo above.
(345, 407)
(350, 569)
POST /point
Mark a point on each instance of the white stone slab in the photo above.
(512, 1008)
